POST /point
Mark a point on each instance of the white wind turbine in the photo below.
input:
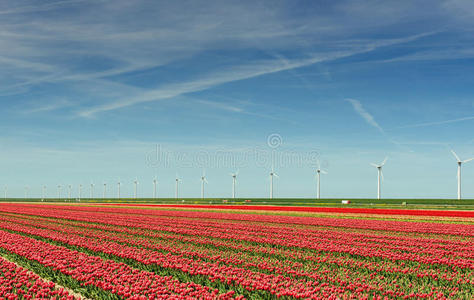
(234, 180)
(177, 186)
(5, 191)
(44, 192)
(135, 183)
(318, 174)
(460, 162)
(155, 181)
(80, 192)
(92, 190)
(59, 191)
(118, 189)
(105, 191)
(203, 181)
(380, 176)
(272, 173)
(70, 192)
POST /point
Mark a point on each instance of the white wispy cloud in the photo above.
(206, 82)
(38, 7)
(222, 106)
(137, 37)
(242, 72)
(360, 110)
(48, 106)
(426, 124)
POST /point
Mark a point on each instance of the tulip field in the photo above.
(128, 251)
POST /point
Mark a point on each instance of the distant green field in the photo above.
(383, 203)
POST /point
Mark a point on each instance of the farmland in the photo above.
(149, 252)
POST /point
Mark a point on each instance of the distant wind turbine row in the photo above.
(234, 175)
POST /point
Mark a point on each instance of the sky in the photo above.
(98, 91)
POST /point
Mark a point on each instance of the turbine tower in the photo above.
(380, 176)
(80, 192)
(272, 173)
(92, 190)
(105, 190)
(59, 191)
(154, 187)
(44, 192)
(118, 189)
(177, 186)
(203, 181)
(5, 191)
(318, 174)
(460, 162)
(135, 182)
(234, 180)
(70, 192)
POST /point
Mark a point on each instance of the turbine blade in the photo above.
(455, 155)
(324, 172)
(381, 174)
(468, 160)
(384, 161)
(372, 164)
(276, 175)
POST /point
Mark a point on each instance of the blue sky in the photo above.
(97, 91)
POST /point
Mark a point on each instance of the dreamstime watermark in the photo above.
(271, 155)
(274, 141)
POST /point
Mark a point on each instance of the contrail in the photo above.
(437, 123)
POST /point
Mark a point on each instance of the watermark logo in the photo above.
(274, 141)
(273, 154)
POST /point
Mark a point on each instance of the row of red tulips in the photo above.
(262, 266)
(222, 251)
(236, 277)
(110, 276)
(347, 210)
(430, 251)
(262, 257)
(17, 282)
(81, 213)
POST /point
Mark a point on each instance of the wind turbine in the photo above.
(44, 192)
(105, 190)
(272, 173)
(234, 180)
(26, 192)
(70, 192)
(203, 181)
(5, 190)
(154, 187)
(380, 176)
(177, 186)
(460, 162)
(135, 182)
(92, 190)
(118, 189)
(59, 191)
(80, 192)
(318, 174)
